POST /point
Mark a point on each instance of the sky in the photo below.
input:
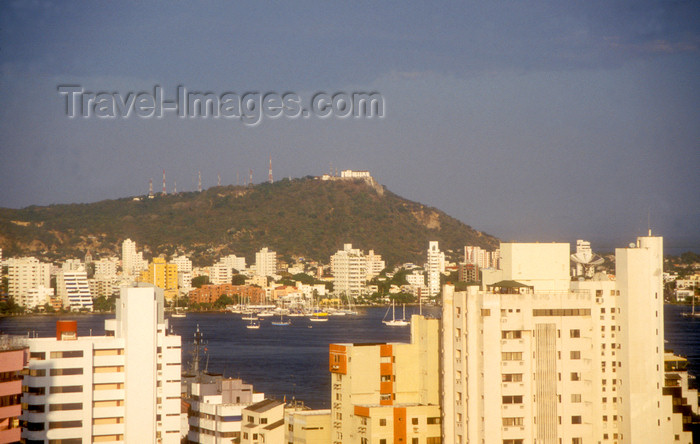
(531, 121)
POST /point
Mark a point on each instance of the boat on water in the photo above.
(178, 313)
(395, 322)
(319, 316)
(265, 314)
(692, 314)
(253, 325)
(281, 322)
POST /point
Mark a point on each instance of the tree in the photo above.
(238, 279)
(223, 301)
(199, 281)
(9, 306)
(102, 303)
(403, 298)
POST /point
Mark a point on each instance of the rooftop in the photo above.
(264, 405)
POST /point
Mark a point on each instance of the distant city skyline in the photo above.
(548, 121)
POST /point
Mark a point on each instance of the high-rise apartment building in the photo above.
(132, 261)
(434, 266)
(25, 274)
(122, 387)
(234, 262)
(375, 264)
(535, 357)
(73, 289)
(106, 268)
(480, 257)
(387, 392)
(219, 274)
(349, 269)
(184, 273)
(37, 297)
(265, 262)
(162, 275)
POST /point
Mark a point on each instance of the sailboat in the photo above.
(254, 324)
(692, 313)
(395, 322)
(281, 322)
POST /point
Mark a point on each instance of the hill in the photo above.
(305, 217)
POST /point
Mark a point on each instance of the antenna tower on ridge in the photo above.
(270, 174)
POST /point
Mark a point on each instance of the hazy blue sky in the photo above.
(530, 121)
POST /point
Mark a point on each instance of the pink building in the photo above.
(13, 358)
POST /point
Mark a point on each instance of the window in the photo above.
(561, 312)
(434, 420)
(71, 406)
(485, 312)
(576, 420)
(576, 440)
(67, 389)
(575, 397)
(511, 334)
(575, 354)
(263, 420)
(382, 441)
(434, 440)
(382, 422)
(67, 354)
(66, 371)
(508, 422)
(40, 356)
(512, 377)
(512, 356)
(414, 421)
(575, 333)
(65, 424)
(575, 376)
(517, 399)
(512, 441)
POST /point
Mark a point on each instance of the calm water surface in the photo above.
(293, 361)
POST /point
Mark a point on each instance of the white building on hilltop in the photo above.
(265, 262)
(535, 357)
(121, 388)
(434, 266)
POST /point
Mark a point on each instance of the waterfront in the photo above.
(292, 361)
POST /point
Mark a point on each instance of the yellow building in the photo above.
(307, 426)
(162, 275)
(387, 393)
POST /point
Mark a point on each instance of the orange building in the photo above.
(208, 294)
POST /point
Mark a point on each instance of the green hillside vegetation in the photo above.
(305, 217)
